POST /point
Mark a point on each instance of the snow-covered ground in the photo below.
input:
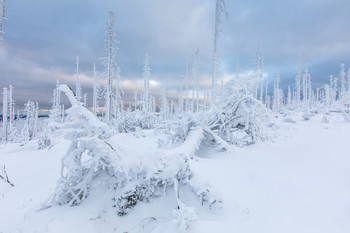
(298, 183)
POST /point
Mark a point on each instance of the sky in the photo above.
(43, 37)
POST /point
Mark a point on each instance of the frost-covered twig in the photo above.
(4, 176)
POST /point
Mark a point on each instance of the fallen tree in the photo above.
(132, 179)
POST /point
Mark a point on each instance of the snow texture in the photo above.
(298, 183)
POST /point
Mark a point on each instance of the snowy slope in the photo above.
(298, 183)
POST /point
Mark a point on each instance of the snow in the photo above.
(299, 182)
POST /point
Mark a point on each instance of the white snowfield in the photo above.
(299, 183)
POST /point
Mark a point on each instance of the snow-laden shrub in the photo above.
(132, 121)
(45, 140)
(239, 119)
(178, 129)
(93, 153)
(307, 115)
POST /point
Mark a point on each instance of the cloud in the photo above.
(41, 43)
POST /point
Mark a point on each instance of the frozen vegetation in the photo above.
(236, 159)
(244, 165)
(93, 180)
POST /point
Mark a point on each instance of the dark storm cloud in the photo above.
(42, 39)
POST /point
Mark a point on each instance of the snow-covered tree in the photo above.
(297, 82)
(267, 105)
(146, 81)
(181, 102)
(118, 102)
(30, 129)
(220, 8)
(333, 89)
(73, 187)
(327, 95)
(187, 102)
(56, 111)
(305, 86)
(78, 90)
(95, 92)
(164, 109)
(4, 135)
(289, 98)
(109, 64)
(310, 92)
(8, 115)
(259, 67)
(153, 110)
(342, 90)
(241, 118)
(132, 179)
(195, 74)
(276, 105)
(11, 106)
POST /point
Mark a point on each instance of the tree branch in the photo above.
(5, 177)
